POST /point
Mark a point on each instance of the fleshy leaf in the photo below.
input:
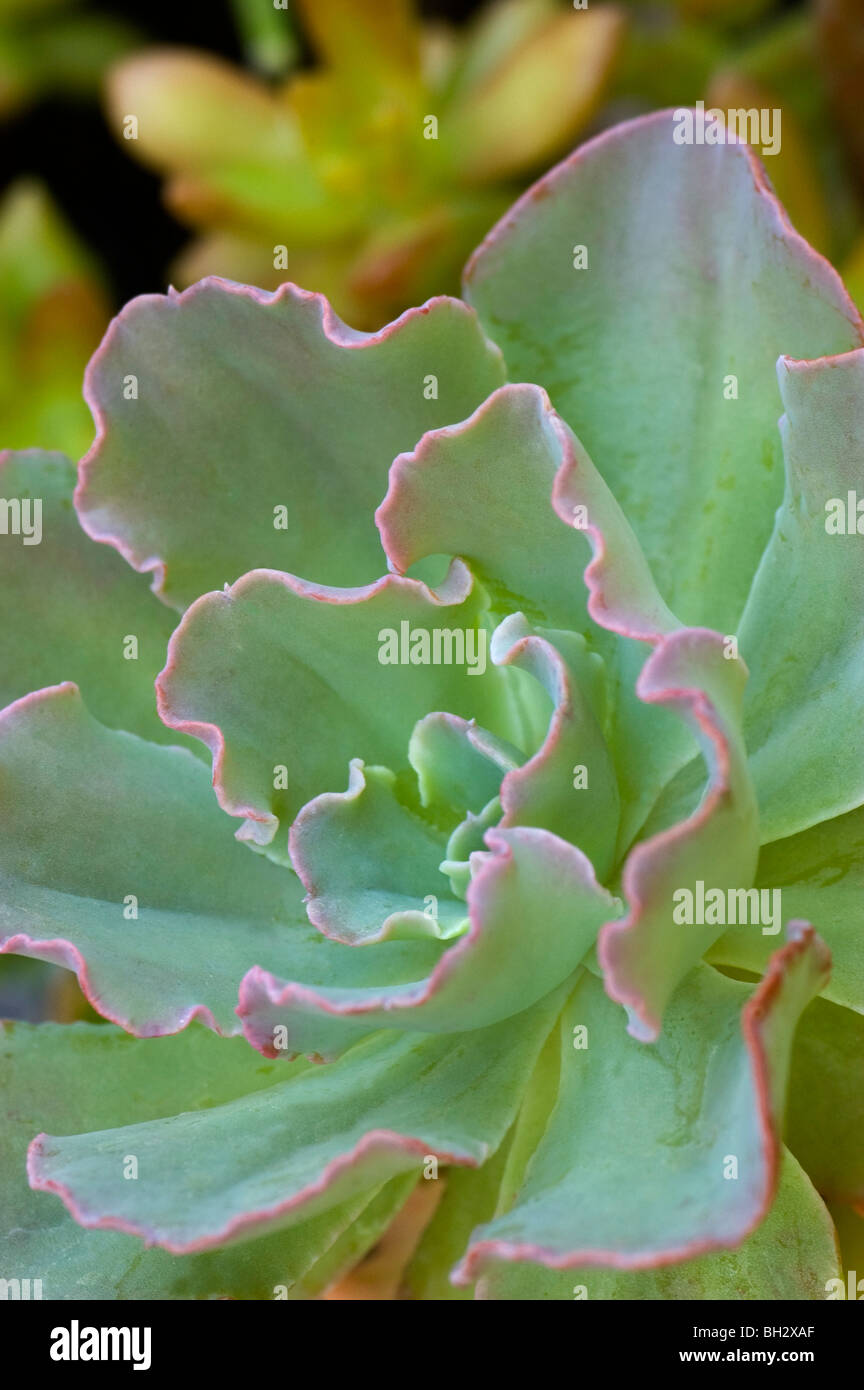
(238, 429)
(196, 112)
(507, 463)
(615, 331)
(473, 1196)
(468, 837)
(797, 1224)
(161, 925)
(277, 673)
(72, 607)
(635, 1168)
(385, 32)
(368, 864)
(497, 125)
(646, 953)
(66, 1076)
(515, 464)
(459, 765)
(544, 792)
(568, 785)
(534, 907)
(319, 1139)
(820, 871)
(825, 1120)
(807, 679)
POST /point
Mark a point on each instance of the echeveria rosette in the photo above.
(421, 893)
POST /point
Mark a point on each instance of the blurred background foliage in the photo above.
(361, 148)
(358, 147)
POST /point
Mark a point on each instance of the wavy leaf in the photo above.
(701, 280)
(797, 1224)
(659, 1154)
(320, 1139)
(72, 607)
(648, 952)
(257, 411)
(534, 907)
(819, 873)
(515, 464)
(802, 629)
(161, 925)
(65, 1076)
(278, 674)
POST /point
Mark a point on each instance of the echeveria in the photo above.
(526, 861)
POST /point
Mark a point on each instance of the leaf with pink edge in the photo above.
(534, 909)
(239, 429)
(797, 1225)
(569, 786)
(369, 864)
(646, 1178)
(656, 335)
(820, 871)
(520, 473)
(164, 922)
(648, 952)
(320, 1138)
(63, 1076)
(801, 636)
(286, 681)
(73, 610)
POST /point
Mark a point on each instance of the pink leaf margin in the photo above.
(802, 940)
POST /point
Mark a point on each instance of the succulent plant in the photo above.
(524, 893)
(370, 175)
(49, 48)
(54, 311)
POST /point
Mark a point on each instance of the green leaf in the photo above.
(83, 1074)
(569, 785)
(368, 864)
(825, 1120)
(534, 514)
(286, 682)
(298, 1149)
(72, 608)
(819, 875)
(535, 908)
(459, 765)
(472, 1196)
(207, 910)
(693, 276)
(636, 1165)
(262, 428)
(713, 851)
(790, 1257)
(803, 627)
